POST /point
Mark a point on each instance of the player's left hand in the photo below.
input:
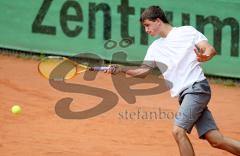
(201, 56)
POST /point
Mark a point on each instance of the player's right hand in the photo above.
(114, 69)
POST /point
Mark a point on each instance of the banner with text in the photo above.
(102, 28)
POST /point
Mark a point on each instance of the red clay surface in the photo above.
(38, 131)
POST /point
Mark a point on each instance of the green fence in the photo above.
(70, 27)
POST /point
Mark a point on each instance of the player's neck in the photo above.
(166, 28)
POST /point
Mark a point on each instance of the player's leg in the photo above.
(193, 101)
(189, 112)
(217, 140)
(207, 129)
(184, 144)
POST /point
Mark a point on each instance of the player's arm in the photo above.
(204, 51)
(140, 72)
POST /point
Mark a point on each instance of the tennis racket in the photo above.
(62, 68)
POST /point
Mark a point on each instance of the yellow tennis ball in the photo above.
(16, 109)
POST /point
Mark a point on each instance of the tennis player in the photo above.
(182, 49)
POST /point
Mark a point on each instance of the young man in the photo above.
(181, 49)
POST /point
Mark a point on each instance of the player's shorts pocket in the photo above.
(201, 87)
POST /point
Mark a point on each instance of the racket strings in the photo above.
(61, 68)
(54, 68)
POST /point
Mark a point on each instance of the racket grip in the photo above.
(99, 68)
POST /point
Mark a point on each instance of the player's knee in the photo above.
(178, 132)
(217, 142)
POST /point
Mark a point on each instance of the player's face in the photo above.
(152, 27)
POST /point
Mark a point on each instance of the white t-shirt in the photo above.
(176, 51)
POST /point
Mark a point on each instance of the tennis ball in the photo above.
(16, 109)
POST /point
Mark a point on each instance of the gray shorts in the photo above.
(193, 109)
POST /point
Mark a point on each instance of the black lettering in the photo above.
(185, 19)
(169, 16)
(64, 18)
(125, 10)
(143, 34)
(218, 26)
(126, 42)
(37, 26)
(93, 9)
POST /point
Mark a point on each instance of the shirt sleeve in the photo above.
(199, 37)
(149, 58)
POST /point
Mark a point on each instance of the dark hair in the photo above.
(152, 13)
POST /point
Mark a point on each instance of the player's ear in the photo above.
(158, 21)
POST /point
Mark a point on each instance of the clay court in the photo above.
(39, 131)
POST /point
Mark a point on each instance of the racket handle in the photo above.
(99, 68)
